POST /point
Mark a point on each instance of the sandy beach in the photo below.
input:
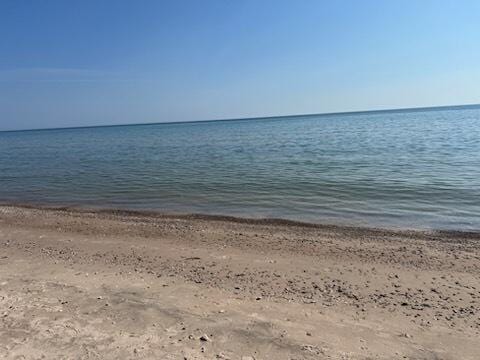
(78, 284)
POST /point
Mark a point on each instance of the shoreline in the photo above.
(109, 285)
(367, 230)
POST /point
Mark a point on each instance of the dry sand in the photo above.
(118, 285)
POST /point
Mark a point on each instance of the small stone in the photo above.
(204, 337)
(309, 333)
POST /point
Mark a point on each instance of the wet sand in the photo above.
(125, 285)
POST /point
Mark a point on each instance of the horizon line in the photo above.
(355, 112)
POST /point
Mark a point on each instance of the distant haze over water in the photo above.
(409, 169)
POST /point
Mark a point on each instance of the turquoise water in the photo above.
(414, 169)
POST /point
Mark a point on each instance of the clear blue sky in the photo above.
(91, 62)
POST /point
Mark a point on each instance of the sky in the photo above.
(100, 62)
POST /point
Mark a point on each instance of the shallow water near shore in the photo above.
(411, 169)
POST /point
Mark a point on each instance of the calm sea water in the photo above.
(413, 169)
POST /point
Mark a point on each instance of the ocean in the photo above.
(417, 169)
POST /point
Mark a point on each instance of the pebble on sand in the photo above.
(204, 337)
